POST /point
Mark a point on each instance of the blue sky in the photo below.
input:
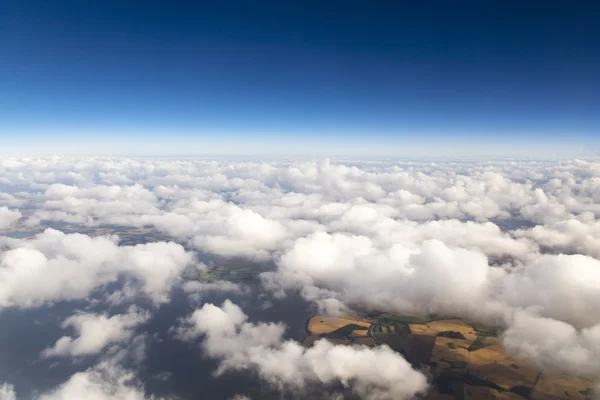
(305, 78)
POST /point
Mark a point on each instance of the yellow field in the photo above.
(505, 376)
(485, 356)
(367, 341)
(560, 386)
(441, 353)
(360, 333)
(483, 392)
(527, 371)
(320, 324)
(419, 329)
(454, 325)
(492, 341)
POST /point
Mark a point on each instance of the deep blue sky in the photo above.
(77, 72)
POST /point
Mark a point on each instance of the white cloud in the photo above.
(8, 217)
(95, 332)
(570, 236)
(554, 345)
(241, 345)
(7, 392)
(468, 238)
(106, 381)
(56, 266)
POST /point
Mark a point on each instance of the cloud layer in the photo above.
(509, 243)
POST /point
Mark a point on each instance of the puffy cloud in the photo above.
(256, 209)
(554, 345)
(241, 345)
(106, 381)
(232, 231)
(468, 238)
(7, 392)
(563, 287)
(431, 278)
(96, 331)
(56, 266)
(437, 278)
(240, 397)
(567, 236)
(8, 217)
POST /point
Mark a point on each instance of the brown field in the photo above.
(560, 387)
(484, 392)
(489, 363)
(527, 371)
(320, 324)
(359, 333)
(367, 341)
(419, 329)
(487, 355)
(449, 343)
(310, 340)
(492, 341)
(454, 325)
(438, 396)
(420, 348)
(506, 376)
(442, 355)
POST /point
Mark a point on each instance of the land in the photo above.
(464, 360)
(237, 271)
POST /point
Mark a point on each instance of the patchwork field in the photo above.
(319, 325)
(560, 387)
(466, 361)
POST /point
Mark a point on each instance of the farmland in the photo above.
(466, 361)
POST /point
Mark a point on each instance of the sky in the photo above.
(300, 78)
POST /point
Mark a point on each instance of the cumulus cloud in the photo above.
(566, 236)
(7, 392)
(255, 209)
(511, 243)
(554, 345)
(433, 278)
(240, 397)
(106, 381)
(8, 217)
(242, 345)
(96, 331)
(55, 266)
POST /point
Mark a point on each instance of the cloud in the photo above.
(8, 217)
(106, 381)
(256, 209)
(55, 266)
(566, 236)
(511, 243)
(433, 278)
(240, 397)
(95, 331)
(554, 345)
(241, 345)
(7, 392)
